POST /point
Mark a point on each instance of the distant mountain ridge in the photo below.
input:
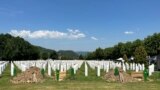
(67, 54)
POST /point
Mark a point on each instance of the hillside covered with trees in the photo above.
(16, 48)
(67, 55)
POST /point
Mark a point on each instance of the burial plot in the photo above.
(64, 65)
(31, 75)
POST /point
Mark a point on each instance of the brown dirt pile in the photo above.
(31, 75)
(122, 77)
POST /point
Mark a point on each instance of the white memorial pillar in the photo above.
(151, 69)
(143, 67)
(98, 70)
(124, 67)
(107, 68)
(133, 66)
(150, 72)
(58, 66)
(75, 69)
(49, 69)
(137, 68)
(61, 69)
(12, 69)
(86, 70)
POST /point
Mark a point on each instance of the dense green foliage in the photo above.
(152, 44)
(116, 71)
(97, 54)
(140, 55)
(16, 48)
(45, 56)
(116, 51)
(47, 53)
(149, 46)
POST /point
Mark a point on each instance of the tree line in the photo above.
(139, 49)
(16, 48)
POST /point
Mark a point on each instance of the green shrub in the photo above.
(116, 71)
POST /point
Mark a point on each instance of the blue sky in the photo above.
(80, 25)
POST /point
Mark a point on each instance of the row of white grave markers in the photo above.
(136, 67)
(3, 65)
(27, 64)
(106, 65)
(24, 65)
(63, 65)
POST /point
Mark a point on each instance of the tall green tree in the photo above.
(152, 44)
(108, 53)
(45, 55)
(128, 48)
(90, 56)
(140, 55)
(99, 54)
(53, 55)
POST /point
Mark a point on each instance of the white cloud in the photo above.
(128, 32)
(71, 34)
(94, 38)
(75, 34)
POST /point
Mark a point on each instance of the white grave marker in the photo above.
(86, 70)
(12, 69)
(49, 69)
(98, 70)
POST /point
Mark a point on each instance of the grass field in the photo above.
(92, 82)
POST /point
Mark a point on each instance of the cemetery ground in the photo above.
(80, 82)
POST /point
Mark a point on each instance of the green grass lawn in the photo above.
(92, 82)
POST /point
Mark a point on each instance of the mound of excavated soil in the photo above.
(31, 75)
(122, 77)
